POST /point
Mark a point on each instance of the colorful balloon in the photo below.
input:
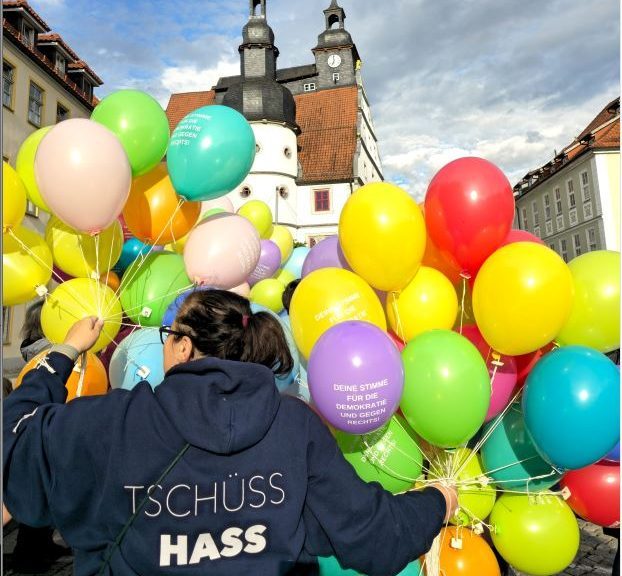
(13, 198)
(258, 213)
(25, 166)
(268, 263)
(469, 208)
(614, 454)
(154, 213)
(594, 320)
(427, 302)
(243, 290)
(296, 261)
(26, 264)
(77, 299)
(325, 254)
(140, 124)
(132, 249)
(284, 277)
(472, 557)
(173, 308)
(222, 251)
(222, 202)
(520, 236)
(538, 534)
(83, 255)
(571, 403)
(522, 298)
(355, 376)
(139, 357)
(210, 153)
(447, 388)
(382, 234)
(111, 279)
(83, 174)
(327, 297)
(283, 238)
(268, 293)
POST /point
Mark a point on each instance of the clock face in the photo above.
(334, 60)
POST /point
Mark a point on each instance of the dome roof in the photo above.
(333, 38)
(257, 31)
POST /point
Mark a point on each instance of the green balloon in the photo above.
(151, 285)
(389, 455)
(446, 388)
(211, 213)
(536, 534)
(140, 124)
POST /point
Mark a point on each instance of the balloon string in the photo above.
(464, 277)
(87, 268)
(100, 288)
(110, 256)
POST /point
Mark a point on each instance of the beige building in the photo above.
(573, 201)
(43, 82)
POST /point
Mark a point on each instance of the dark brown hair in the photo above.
(288, 293)
(31, 330)
(222, 325)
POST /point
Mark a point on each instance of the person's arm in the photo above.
(367, 528)
(6, 516)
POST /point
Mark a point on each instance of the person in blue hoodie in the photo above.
(213, 472)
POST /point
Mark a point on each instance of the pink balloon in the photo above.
(83, 174)
(505, 377)
(520, 236)
(222, 251)
(223, 203)
(243, 290)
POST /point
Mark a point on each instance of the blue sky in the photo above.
(508, 81)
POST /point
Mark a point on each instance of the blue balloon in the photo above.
(296, 260)
(132, 249)
(510, 458)
(139, 357)
(173, 307)
(614, 455)
(210, 152)
(571, 404)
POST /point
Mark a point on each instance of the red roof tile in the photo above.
(82, 65)
(182, 104)
(53, 37)
(28, 8)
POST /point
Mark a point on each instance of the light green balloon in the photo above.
(390, 455)
(536, 534)
(25, 166)
(268, 293)
(446, 388)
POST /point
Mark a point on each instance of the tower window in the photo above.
(257, 148)
(283, 192)
(310, 87)
(61, 113)
(287, 152)
(245, 192)
(336, 77)
(321, 200)
(332, 20)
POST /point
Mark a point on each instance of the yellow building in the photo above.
(43, 82)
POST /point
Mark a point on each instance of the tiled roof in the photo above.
(82, 65)
(328, 123)
(23, 4)
(182, 104)
(53, 37)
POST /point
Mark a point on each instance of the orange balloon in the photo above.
(473, 558)
(90, 382)
(111, 279)
(152, 213)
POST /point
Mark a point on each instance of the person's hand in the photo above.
(451, 499)
(84, 333)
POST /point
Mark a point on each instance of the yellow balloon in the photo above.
(76, 299)
(268, 293)
(26, 264)
(329, 296)
(283, 238)
(13, 198)
(428, 302)
(382, 235)
(25, 166)
(83, 255)
(178, 245)
(285, 277)
(522, 297)
(260, 216)
(595, 318)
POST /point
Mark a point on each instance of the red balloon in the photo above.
(525, 362)
(396, 340)
(595, 492)
(521, 236)
(469, 209)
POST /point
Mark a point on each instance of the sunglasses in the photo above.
(166, 330)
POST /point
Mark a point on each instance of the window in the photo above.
(548, 227)
(524, 217)
(587, 210)
(585, 187)
(571, 199)
(35, 104)
(60, 64)
(564, 249)
(32, 209)
(257, 148)
(61, 113)
(577, 245)
(310, 87)
(283, 192)
(559, 222)
(536, 231)
(245, 192)
(335, 77)
(287, 152)
(8, 79)
(321, 200)
(572, 217)
(553, 247)
(547, 207)
(88, 90)
(6, 325)
(29, 35)
(558, 201)
(536, 215)
(591, 239)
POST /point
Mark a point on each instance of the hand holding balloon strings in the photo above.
(84, 333)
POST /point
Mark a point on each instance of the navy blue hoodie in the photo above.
(261, 487)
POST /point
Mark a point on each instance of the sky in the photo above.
(512, 82)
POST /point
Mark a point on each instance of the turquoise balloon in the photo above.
(571, 404)
(139, 357)
(510, 458)
(330, 567)
(296, 260)
(132, 249)
(211, 151)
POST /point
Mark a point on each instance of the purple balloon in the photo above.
(325, 254)
(355, 376)
(614, 455)
(269, 262)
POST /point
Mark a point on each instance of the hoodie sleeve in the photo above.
(364, 526)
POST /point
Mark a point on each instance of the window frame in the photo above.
(547, 207)
(572, 199)
(577, 249)
(536, 213)
(11, 105)
(42, 108)
(314, 201)
(65, 108)
(563, 245)
(573, 218)
(586, 186)
(309, 87)
(558, 201)
(591, 245)
(523, 213)
(548, 227)
(558, 218)
(587, 207)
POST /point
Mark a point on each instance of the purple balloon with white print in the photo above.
(269, 262)
(355, 376)
(325, 254)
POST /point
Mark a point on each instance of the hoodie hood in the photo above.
(219, 405)
(30, 349)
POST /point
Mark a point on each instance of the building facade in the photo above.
(573, 202)
(315, 137)
(43, 82)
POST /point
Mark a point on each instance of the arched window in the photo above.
(245, 192)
